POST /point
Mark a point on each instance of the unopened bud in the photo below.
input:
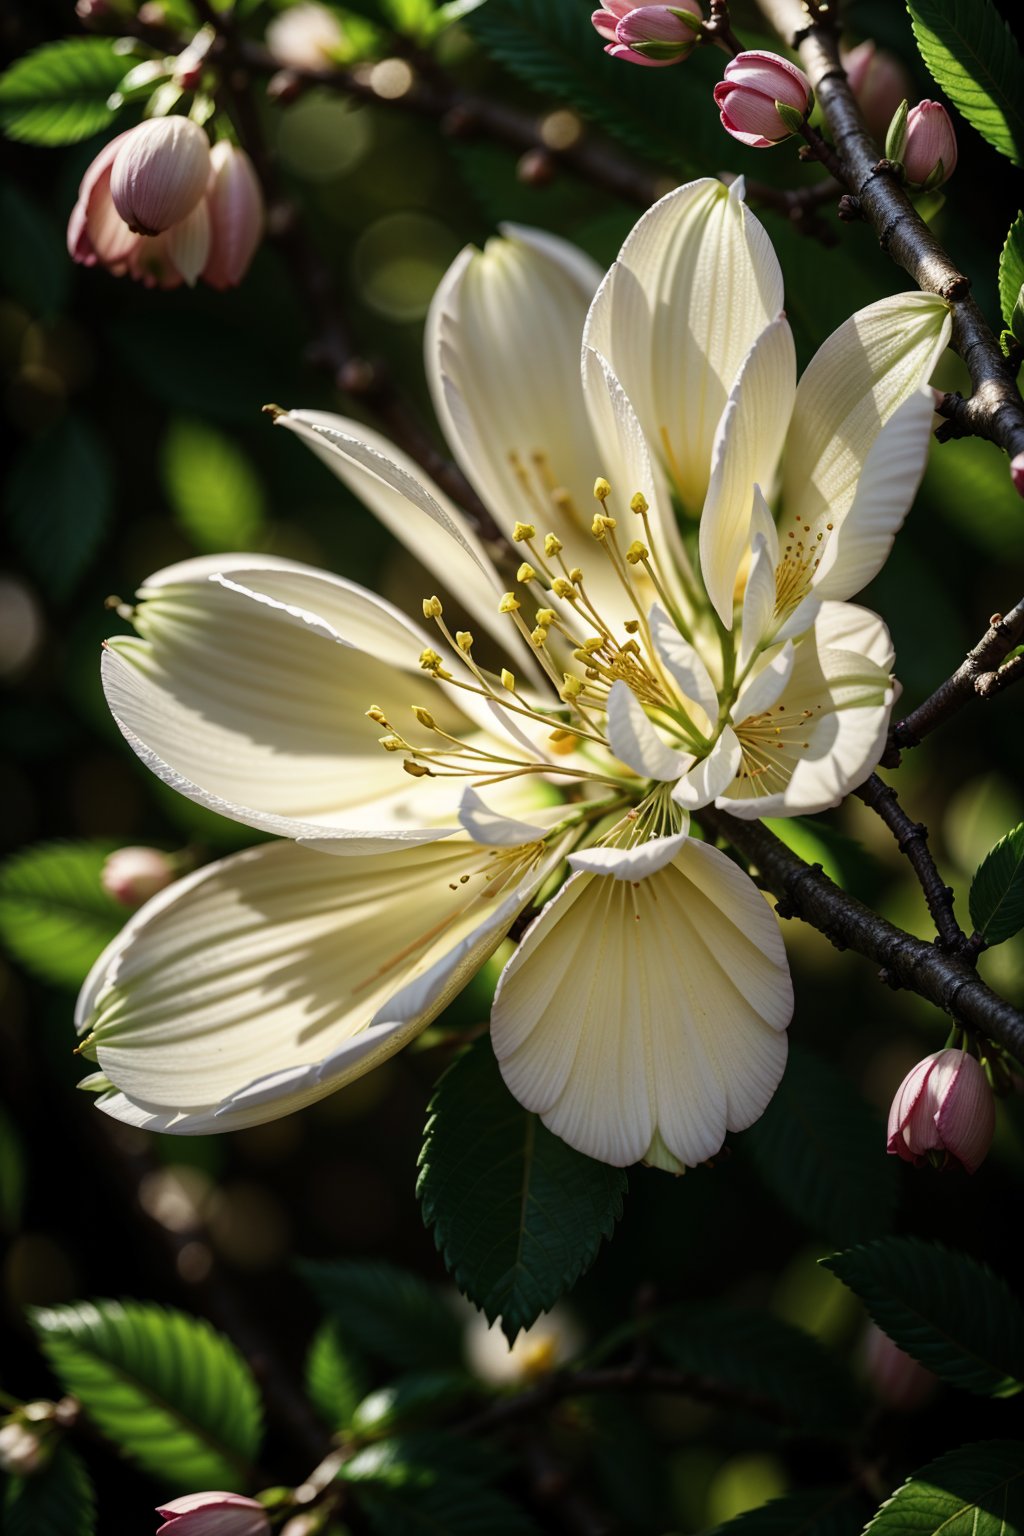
(929, 149)
(879, 82)
(943, 1113)
(749, 98)
(649, 34)
(22, 1451)
(214, 1514)
(159, 173)
(132, 875)
(237, 216)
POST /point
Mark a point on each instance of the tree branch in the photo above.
(912, 840)
(805, 891)
(995, 409)
(980, 675)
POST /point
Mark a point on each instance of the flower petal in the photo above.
(856, 381)
(684, 663)
(746, 452)
(647, 1015)
(246, 698)
(490, 827)
(758, 601)
(827, 730)
(763, 688)
(270, 979)
(860, 545)
(634, 740)
(635, 863)
(695, 284)
(712, 775)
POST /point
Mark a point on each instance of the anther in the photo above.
(563, 588)
(552, 544)
(393, 743)
(509, 603)
(546, 616)
(508, 680)
(430, 661)
(464, 639)
(572, 687)
(424, 717)
(601, 525)
(377, 715)
(602, 490)
(523, 531)
(417, 770)
(636, 552)
(576, 574)
(526, 572)
(432, 608)
(539, 636)
(638, 504)
(631, 626)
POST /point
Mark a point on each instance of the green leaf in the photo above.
(517, 1214)
(165, 1388)
(819, 1512)
(34, 263)
(395, 1316)
(58, 1501)
(216, 494)
(973, 493)
(58, 94)
(820, 1149)
(971, 53)
(997, 890)
(335, 1376)
(946, 1309)
(786, 1373)
(404, 1491)
(977, 1490)
(411, 1400)
(59, 499)
(12, 1174)
(552, 46)
(55, 916)
(1011, 269)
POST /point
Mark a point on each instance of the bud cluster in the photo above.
(649, 34)
(159, 205)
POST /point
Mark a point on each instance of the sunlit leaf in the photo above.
(58, 93)
(971, 53)
(997, 890)
(55, 916)
(977, 1490)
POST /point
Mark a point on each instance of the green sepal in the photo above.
(896, 133)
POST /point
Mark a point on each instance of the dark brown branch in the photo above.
(803, 890)
(912, 840)
(979, 676)
(995, 409)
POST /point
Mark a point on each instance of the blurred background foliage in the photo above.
(134, 439)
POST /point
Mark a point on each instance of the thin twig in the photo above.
(995, 409)
(805, 891)
(912, 840)
(979, 676)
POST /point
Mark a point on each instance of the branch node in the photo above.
(956, 287)
(849, 208)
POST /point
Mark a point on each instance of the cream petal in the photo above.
(416, 511)
(188, 242)
(827, 730)
(647, 1016)
(635, 863)
(502, 354)
(695, 284)
(708, 778)
(860, 545)
(486, 825)
(256, 706)
(274, 977)
(763, 688)
(684, 663)
(634, 740)
(758, 601)
(856, 381)
(746, 452)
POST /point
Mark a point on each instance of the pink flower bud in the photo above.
(1017, 473)
(943, 1112)
(132, 875)
(879, 82)
(21, 1450)
(897, 1378)
(747, 97)
(305, 37)
(97, 234)
(160, 173)
(649, 34)
(929, 149)
(235, 202)
(214, 1514)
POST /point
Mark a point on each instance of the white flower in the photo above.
(621, 670)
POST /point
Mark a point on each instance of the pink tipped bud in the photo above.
(896, 1377)
(132, 875)
(1017, 473)
(755, 86)
(214, 1514)
(97, 234)
(160, 173)
(879, 82)
(236, 209)
(929, 148)
(305, 36)
(652, 34)
(943, 1112)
